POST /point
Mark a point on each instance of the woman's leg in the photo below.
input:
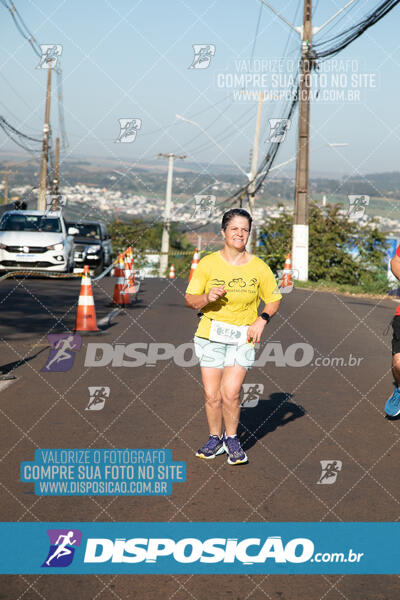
(231, 383)
(213, 404)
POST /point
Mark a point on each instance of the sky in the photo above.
(131, 60)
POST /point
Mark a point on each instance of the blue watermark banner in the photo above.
(220, 548)
(98, 472)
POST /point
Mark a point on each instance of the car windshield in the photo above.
(30, 223)
(87, 230)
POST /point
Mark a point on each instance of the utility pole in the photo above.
(54, 189)
(253, 169)
(56, 167)
(167, 213)
(300, 220)
(45, 147)
(254, 157)
(6, 173)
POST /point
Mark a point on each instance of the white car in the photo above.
(34, 240)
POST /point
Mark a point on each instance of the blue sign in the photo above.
(98, 472)
(218, 548)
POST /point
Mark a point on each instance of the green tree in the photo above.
(145, 238)
(340, 250)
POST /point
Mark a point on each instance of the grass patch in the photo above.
(331, 286)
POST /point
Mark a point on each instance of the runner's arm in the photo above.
(395, 266)
(255, 330)
(271, 308)
(198, 301)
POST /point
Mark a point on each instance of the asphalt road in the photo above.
(306, 414)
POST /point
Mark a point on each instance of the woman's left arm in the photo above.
(255, 330)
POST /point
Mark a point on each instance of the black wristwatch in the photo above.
(266, 317)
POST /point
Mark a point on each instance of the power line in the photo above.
(29, 37)
(22, 27)
(19, 96)
(60, 104)
(256, 32)
(344, 15)
(18, 137)
(342, 40)
(228, 130)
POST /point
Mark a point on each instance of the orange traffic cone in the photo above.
(195, 262)
(86, 314)
(131, 286)
(119, 295)
(287, 281)
(127, 282)
(172, 272)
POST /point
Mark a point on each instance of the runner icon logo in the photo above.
(128, 130)
(251, 394)
(62, 351)
(357, 206)
(204, 206)
(202, 55)
(50, 54)
(98, 396)
(278, 129)
(62, 547)
(329, 471)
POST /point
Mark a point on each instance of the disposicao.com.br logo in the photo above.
(191, 550)
(200, 547)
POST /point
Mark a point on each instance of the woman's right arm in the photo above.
(198, 301)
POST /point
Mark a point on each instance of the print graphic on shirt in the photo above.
(236, 284)
(216, 281)
(238, 281)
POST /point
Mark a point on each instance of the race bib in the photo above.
(228, 334)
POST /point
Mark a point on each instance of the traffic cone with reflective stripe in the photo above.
(119, 294)
(195, 262)
(131, 286)
(287, 281)
(86, 313)
(172, 272)
(127, 282)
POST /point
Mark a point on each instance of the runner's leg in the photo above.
(213, 403)
(396, 368)
(231, 384)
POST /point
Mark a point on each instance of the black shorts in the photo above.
(396, 334)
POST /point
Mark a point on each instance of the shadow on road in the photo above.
(12, 366)
(257, 422)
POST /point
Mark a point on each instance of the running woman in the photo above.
(392, 407)
(226, 287)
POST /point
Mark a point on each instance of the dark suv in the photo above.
(92, 245)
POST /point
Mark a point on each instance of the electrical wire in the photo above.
(226, 130)
(28, 35)
(18, 137)
(342, 40)
(315, 53)
(22, 27)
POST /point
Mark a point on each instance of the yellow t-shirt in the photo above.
(244, 284)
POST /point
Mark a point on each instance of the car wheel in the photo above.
(70, 266)
(100, 268)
